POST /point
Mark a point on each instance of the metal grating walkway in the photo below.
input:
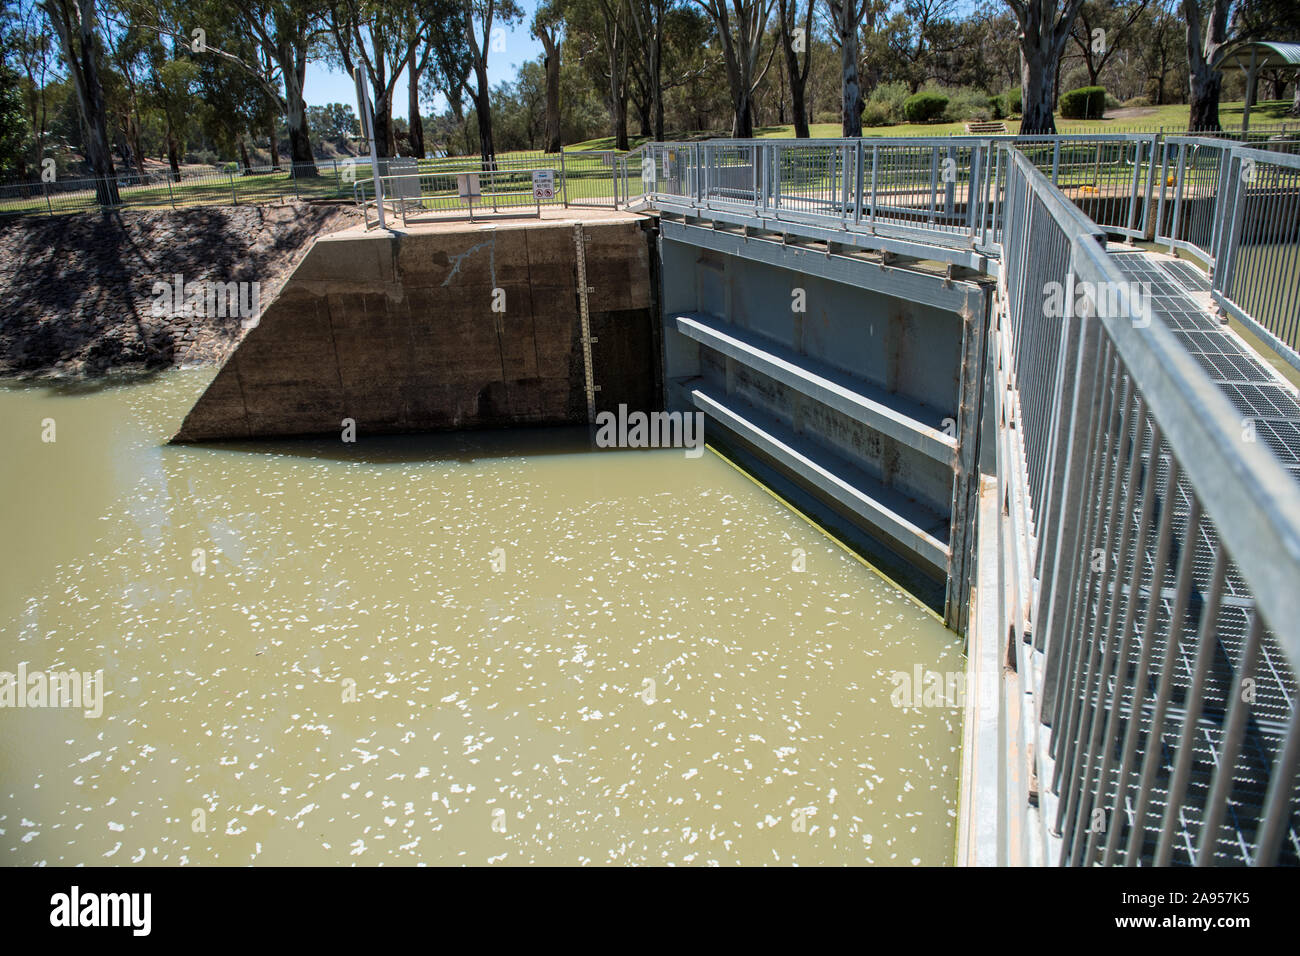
(1179, 297)
(1274, 413)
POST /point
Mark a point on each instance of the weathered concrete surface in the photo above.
(469, 327)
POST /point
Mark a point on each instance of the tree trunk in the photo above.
(483, 111)
(643, 115)
(846, 16)
(1206, 86)
(243, 154)
(1206, 83)
(173, 151)
(657, 82)
(551, 61)
(617, 106)
(798, 78)
(851, 101)
(742, 122)
(274, 145)
(75, 25)
(413, 110)
(293, 64)
(383, 107)
(1037, 79)
(1295, 103)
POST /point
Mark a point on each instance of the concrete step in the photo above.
(916, 528)
(890, 414)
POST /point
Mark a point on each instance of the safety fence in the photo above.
(588, 177)
(513, 185)
(1155, 602)
(1233, 207)
(1147, 553)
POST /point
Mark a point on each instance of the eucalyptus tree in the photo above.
(599, 36)
(847, 18)
(796, 38)
(481, 19)
(548, 27)
(29, 47)
(14, 130)
(742, 27)
(172, 84)
(1045, 27)
(235, 106)
(127, 45)
(649, 20)
(77, 25)
(435, 39)
(1100, 29)
(372, 35)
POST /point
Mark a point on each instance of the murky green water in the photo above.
(450, 649)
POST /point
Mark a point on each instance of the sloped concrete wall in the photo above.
(476, 327)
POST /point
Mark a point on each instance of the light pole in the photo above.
(368, 130)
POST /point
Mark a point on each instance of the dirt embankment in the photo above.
(77, 293)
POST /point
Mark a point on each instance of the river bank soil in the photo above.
(78, 290)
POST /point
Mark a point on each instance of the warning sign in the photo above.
(543, 184)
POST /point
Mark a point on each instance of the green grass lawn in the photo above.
(588, 177)
(1131, 120)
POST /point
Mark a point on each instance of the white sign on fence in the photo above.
(543, 184)
(467, 186)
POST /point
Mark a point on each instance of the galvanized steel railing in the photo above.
(1236, 208)
(1151, 558)
(1257, 262)
(1154, 596)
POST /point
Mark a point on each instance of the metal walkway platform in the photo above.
(1180, 297)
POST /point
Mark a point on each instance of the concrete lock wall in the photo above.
(851, 386)
(476, 326)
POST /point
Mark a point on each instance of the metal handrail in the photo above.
(1126, 480)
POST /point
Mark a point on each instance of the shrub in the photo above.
(966, 103)
(1138, 101)
(876, 115)
(886, 104)
(1011, 102)
(1087, 102)
(924, 107)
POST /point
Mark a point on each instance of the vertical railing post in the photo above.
(934, 184)
(695, 165)
(564, 180)
(777, 166)
(875, 180)
(233, 197)
(857, 182)
(1133, 189)
(1174, 225)
(845, 172)
(1233, 203)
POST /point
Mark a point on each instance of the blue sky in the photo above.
(324, 85)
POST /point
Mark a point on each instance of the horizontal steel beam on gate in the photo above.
(853, 398)
(885, 510)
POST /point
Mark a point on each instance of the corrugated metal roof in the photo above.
(1268, 53)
